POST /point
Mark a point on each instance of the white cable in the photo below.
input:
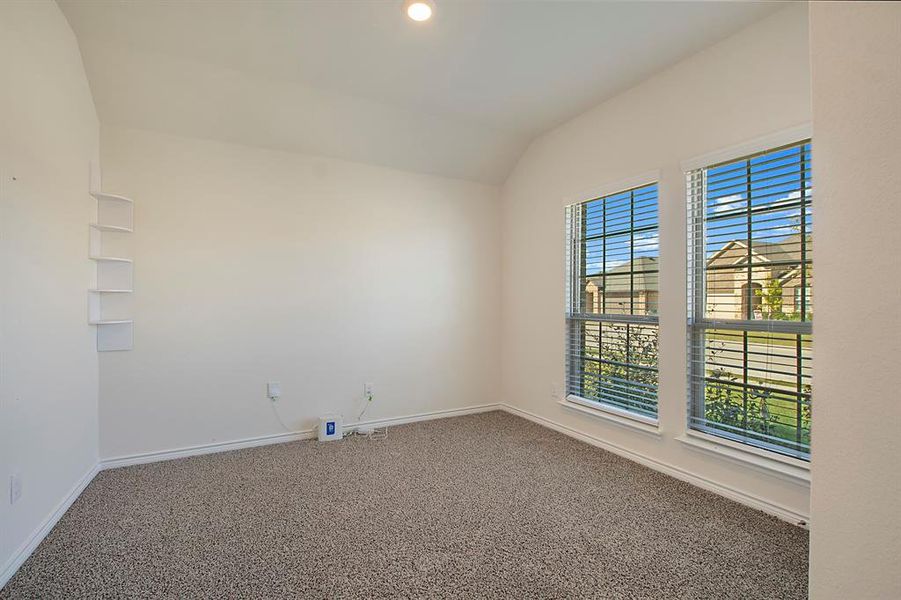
(375, 433)
(272, 402)
(365, 406)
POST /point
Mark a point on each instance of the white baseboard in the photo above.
(756, 502)
(28, 546)
(279, 438)
(428, 416)
(199, 450)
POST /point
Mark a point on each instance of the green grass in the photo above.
(788, 340)
(782, 422)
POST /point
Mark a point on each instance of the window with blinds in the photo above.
(749, 300)
(611, 319)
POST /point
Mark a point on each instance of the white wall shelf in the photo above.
(111, 228)
(109, 305)
(114, 213)
(110, 259)
(111, 197)
(115, 335)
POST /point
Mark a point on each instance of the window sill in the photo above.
(772, 464)
(622, 418)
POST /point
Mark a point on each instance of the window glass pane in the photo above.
(758, 236)
(619, 365)
(757, 388)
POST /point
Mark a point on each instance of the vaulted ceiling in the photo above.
(460, 96)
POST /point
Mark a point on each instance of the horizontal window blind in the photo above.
(750, 299)
(611, 289)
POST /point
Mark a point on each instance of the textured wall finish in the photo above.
(48, 361)
(856, 493)
(255, 266)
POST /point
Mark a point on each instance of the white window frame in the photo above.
(782, 465)
(609, 413)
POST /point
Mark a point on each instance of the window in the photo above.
(611, 319)
(750, 301)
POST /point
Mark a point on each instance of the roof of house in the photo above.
(788, 249)
(644, 277)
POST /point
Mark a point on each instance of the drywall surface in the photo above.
(48, 363)
(750, 85)
(856, 494)
(254, 265)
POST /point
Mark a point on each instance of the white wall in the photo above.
(48, 363)
(856, 493)
(749, 85)
(255, 265)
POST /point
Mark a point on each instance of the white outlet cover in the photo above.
(15, 488)
(274, 389)
(368, 388)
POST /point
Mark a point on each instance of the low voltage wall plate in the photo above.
(330, 428)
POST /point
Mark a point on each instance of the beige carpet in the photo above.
(487, 505)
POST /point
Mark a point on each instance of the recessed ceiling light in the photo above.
(419, 10)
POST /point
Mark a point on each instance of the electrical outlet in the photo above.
(15, 488)
(274, 390)
(368, 389)
(555, 392)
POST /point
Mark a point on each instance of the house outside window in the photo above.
(750, 302)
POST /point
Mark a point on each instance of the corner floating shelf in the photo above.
(108, 305)
(111, 197)
(112, 228)
(110, 259)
